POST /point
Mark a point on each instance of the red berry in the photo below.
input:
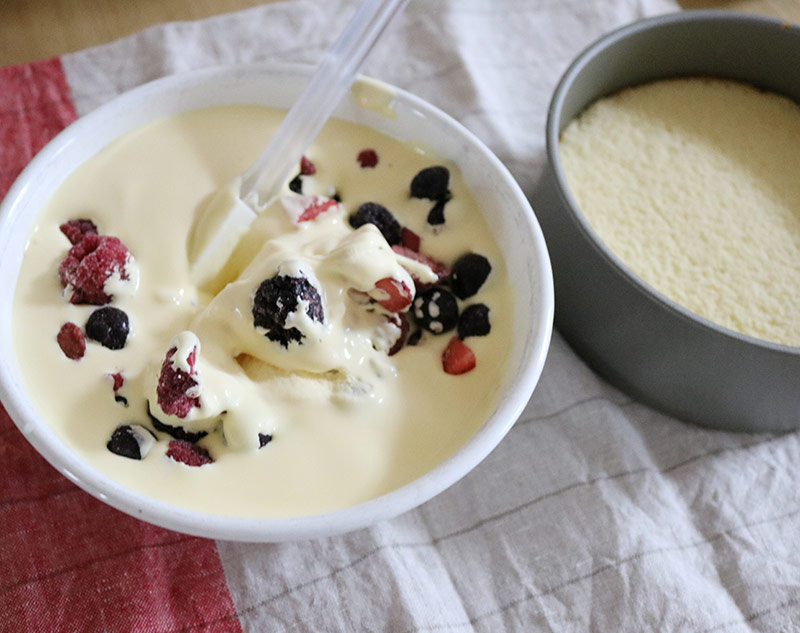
(71, 341)
(401, 321)
(89, 264)
(457, 358)
(174, 386)
(367, 158)
(411, 240)
(307, 168)
(318, 206)
(439, 269)
(118, 379)
(399, 294)
(188, 453)
(76, 230)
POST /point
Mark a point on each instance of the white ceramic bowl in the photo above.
(512, 220)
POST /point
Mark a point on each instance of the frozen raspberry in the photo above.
(109, 327)
(307, 168)
(380, 216)
(176, 390)
(279, 296)
(131, 440)
(367, 158)
(439, 269)
(431, 183)
(436, 310)
(410, 240)
(117, 381)
(474, 321)
(76, 230)
(89, 264)
(264, 439)
(457, 358)
(71, 341)
(188, 453)
(469, 273)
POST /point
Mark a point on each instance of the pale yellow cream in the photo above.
(349, 423)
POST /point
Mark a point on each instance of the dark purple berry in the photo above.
(468, 274)
(178, 432)
(431, 183)
(474, 321)
(296, 184)
(436, 214)
(109, 327)
(436, 310)
(264, 439)
(131, 441)
(380, 216)
(276, 298)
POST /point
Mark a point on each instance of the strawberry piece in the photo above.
(410, 240)
(307, 168)
(175, 385)
(89, 264)
(316, 208)
(439, 269)
(71, 341)
(457, 358)
(76, 230)
(399, 294)
(367, 158)
(188, 453)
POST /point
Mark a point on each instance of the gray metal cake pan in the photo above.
(635, 337)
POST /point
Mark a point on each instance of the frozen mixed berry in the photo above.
(410, 240)
(278, 297)
(264, 439)
(394, 294)
(304, 208)
(474, 321)
(367, 158)
(307, 168)
(457, 358)
(432, 183)
(401, 321)
(177, 388)
(131, 440)
(436, 214)
(108, 326)
(118, 380)
(71, 341)
(178, 432)
(188, 453)
(438, 268)
(89, 264)
(296, 184)
(469, 273)
(380, 216)
(76, 230)
(436, 310)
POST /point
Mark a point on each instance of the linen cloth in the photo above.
(596, 513)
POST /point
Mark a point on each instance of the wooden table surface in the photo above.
(37, 29)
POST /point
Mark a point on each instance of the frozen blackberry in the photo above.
(468, 274)
(109, 327)
(431, 183)
(436, 214)
(76, 230)
(178, 432)
(188, 453)
(436, 310)
(380, 216)
(71, 341)
(89, 264)
(474, 321)
(131, 441)
(264, 439)
(296, 184)
(279, 296)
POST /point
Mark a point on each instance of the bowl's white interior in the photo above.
(514, 225)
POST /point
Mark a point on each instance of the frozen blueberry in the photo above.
(264, 439)
(431, 183)
(380, 216)
(109, 327)
(468, 274)
(474, 321)
(276, 298)
(436, 310)
(131, 440)
(296, 184)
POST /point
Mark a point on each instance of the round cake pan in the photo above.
(639, 340)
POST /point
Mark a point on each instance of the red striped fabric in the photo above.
(67, 561)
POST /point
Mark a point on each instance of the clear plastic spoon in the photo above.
(228, 214)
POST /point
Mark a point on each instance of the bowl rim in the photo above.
(255, 529)
(552, 134)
